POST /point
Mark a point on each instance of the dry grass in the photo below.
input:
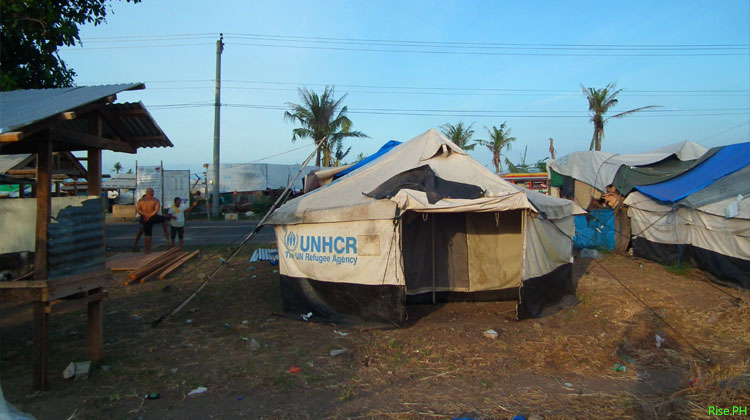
(439, 366)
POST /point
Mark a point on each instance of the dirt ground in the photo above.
(233, 340)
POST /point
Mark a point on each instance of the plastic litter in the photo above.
(659, 341)
(254, 345)
(188, 321)
(518, 417)
(341, 333)
(591, 254)
(307, 316)
(338, 352)
(568, 385)
(294, 369)
(491, 334)
(151, 396)
(77, 370)
(275, 271)
(196, 391)
(264, 254)
(226, 324)
(619, 368)
(240, 398)
(626, 358)
(244, 322)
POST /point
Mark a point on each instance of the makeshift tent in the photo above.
(423, 218)
(701, 216)
(583, 176)
(598, 169)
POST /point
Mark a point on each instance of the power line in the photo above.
(426, 44)
(490, 53)
(460, 113)
(450, 93)
(722, 132)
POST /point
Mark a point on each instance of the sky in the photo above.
(408, 66)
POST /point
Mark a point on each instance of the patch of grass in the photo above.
(283, 382)
(680, 270)
(346, 394)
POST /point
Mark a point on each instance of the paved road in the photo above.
(121, 235)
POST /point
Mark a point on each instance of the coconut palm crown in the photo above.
(600, 101)
(459, 134)
(323, 119)
(499, 139)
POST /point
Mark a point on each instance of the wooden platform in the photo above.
(129, 261)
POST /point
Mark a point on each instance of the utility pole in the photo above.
(217, 124)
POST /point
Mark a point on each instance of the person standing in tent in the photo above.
(176, 218)
(148, 208)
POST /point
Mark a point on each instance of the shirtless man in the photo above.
(148, 208)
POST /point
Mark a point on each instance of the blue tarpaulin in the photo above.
(595, 230)
(383, 150)
(729, 159)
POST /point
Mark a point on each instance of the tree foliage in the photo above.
(117, 167)
(459, 134)
(600, 101)
(499, 139)
(32, 31)
(323, 119)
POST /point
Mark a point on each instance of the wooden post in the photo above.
(43, 208)
(96, 329)
(94, 161)
(40, 349)
(20, 190)
(94, 172)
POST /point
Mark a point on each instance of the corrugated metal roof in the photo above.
(20, 108)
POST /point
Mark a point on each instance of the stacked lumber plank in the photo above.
(161, 266)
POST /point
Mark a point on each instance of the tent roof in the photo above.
(344, 199)
(726, 161)
(598, 169)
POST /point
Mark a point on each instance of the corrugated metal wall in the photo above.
(75, 240)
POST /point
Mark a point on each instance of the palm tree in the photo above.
(459, 134)
(499, 139)
(600, 101)
(117, 168)
(323, 119)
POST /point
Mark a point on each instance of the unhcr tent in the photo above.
(701, 216)
(422, 219)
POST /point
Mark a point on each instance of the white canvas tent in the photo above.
(344, 254)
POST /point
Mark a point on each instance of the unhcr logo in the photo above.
(291, 241)
(314, 248)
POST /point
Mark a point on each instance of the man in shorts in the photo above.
(176, 218)
(148, 208)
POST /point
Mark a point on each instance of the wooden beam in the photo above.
(40, 347)
(95, 325)
(118, 127)
(143, 139)
(11, 136)
(70, 115)
(89, 141)
(129, 112)
(43, 207)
